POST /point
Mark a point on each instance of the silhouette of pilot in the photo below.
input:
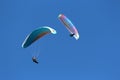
(34, 59)
(71, 35)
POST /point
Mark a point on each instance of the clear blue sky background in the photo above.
(95, 56)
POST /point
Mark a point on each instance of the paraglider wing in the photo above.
(37, 34)
(68, 24)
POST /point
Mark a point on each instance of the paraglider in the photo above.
(35, 35)
(68, 24)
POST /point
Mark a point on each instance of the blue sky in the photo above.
(95, 56)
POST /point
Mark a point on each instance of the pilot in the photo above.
(34, 60)
(71, 35)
